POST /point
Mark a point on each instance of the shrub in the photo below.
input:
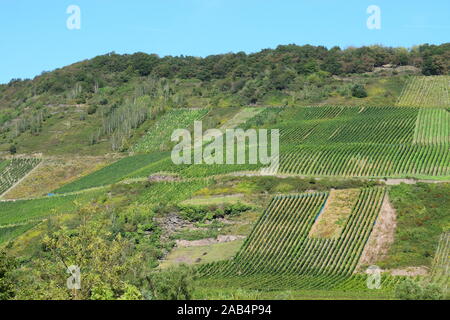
(409, 289)
(92, 109)
(13, 149)
(358, 91)
(198, 213)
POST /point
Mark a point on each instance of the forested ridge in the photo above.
(283, 64)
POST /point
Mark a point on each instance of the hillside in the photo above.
(97, 106)
(87, 178)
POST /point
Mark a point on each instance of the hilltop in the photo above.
(95, 106)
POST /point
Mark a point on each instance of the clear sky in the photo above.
(34, 36)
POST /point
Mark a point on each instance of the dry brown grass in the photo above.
(54, 173)
(382, 236)
(337, 209)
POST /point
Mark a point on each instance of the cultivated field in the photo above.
(365, 142)
(54, 173)
(11, 171)
(426, 92)
(158, 137)
(280, 253)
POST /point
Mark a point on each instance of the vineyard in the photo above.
(365, 141)
(441, 264)
(112, 173)
(426, 92)
(171, 192)
(432, 127)
(321, 141)
(279, 253)
(158, 137)
(13, 170)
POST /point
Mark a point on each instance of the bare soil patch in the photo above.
(409, 271)
(382, 235)
(208, 241)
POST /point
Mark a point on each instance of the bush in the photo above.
(412, 290)
(358, 91)
(92, 109)
(13, 149)
(198, 213)
(408, 290)
(176, 283)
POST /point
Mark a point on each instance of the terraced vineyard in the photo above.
(171, 192)
(279, 253)
(158, 137)
(426, 92)
(13, 170)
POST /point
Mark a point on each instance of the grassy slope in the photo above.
(202, 254)
(10, 233)
(381, 91)
(37, 209)
(422, 216)
(63, 133)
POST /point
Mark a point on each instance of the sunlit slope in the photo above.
(426, 92)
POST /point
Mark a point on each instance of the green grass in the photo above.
(202, 254)
(158, 137)
(10, 233)
(382, 91)
(20, 211)
(213, 200)
(170, 192)
(422, 216)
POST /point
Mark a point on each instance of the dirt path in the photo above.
(208, 241)
(393, 181)
(382, 235)
(388, 181)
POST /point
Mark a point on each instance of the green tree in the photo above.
(7, 265)
(12, 149)
(107, 261)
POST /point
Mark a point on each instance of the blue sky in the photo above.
(34, 36)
